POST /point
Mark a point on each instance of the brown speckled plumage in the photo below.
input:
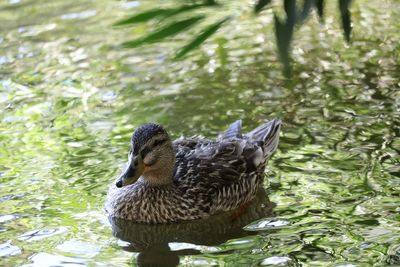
(208, 176)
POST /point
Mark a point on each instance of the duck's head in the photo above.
(151, 157)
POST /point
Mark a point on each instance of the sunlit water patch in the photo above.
(70, 97)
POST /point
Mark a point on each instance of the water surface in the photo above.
(70, 97)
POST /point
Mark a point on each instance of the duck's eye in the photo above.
(144, 152)
(135, 161)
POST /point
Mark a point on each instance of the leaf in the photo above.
(260, 5)
(207, 32)
(143, 17)
(159, 13)
(291, 10)
(284, 34)
(185, 8)
(307, 6)
(167, 31)
(319, 4)
(346, 18)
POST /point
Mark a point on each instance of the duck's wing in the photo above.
(235, 158)
(228, 159)
(268, 135)
(185, 147)
(234, 131)
(216, 163)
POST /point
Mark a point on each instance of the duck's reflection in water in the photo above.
(153, 242)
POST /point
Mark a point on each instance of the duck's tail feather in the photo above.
(234, 130)
(268, 133)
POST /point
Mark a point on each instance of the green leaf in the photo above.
(291, 11)
(167, 31)
(346, 18)
(283, 33)
(260, 5)
(159, 13)
(143, 17)
(185, 8)
(319, 4)
(207, 32)
(305, 12)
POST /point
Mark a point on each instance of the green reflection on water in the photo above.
(70, 98)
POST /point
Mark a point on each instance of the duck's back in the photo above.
(227, 172)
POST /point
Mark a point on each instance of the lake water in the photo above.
(70, 97)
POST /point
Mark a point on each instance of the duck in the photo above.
(191, 178)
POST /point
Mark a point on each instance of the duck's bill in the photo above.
(129, 176)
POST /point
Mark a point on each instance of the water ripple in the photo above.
(7, 249)
(35, 235)
(79, 15)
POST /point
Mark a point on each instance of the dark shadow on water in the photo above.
(152, 241)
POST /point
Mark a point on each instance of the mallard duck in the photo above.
(168, 181)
